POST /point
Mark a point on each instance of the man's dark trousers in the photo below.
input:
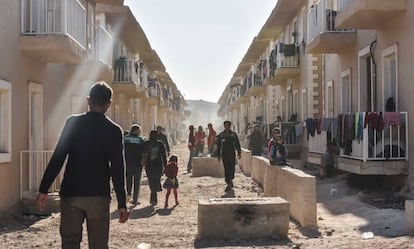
(133, 178)
(229, 168)
(74, 210)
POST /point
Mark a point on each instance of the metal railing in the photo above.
(317, 143)
(289, 57)
(288, 132)
(104, 46)
(343, 4)
(125, 71)
(391, 143)
(321, 19)
(32, 167)
(54, 17)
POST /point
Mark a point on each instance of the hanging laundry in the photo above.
(392, 118)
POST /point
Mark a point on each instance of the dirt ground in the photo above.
(344, 216)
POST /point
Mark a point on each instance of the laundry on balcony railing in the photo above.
(283, 55)
(365, 135)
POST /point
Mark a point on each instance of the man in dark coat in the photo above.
(227, 145)
(256, 141)
(133, 152)
(156, 160)
(92, 145)
(163, 138)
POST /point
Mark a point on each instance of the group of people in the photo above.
(276, 151)
(93, 146)
(196, 142)
(152, 155)
(224, 146)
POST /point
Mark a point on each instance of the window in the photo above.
(5, 121)
(390, 77)
(346, 91)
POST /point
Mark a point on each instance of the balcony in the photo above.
(126, 78)
(367, 14)
(376, 152)
(323, 34)
(283, 64)
(54, 31)
(104, 46)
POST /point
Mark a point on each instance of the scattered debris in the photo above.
(367, 235)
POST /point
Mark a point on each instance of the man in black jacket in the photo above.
(163, 139)
(227, 144)
(133, 153)
(92, 144)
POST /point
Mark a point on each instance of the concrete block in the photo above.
(296, 187)
(258, 169)
(246, 162)
(409, 216)
(226, 218)
(207, 166)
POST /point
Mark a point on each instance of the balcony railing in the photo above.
(104, 46)
(289, 133)
(321, 19)
(125, 71)
(389, 143)
(343, 4)
(54, 17)
(32, 167)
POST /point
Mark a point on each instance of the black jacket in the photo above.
(227, 144)
(93, 146)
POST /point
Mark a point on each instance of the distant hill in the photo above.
(202, 113)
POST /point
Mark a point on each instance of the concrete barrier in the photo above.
(296, 187)
(246, 162)
(207, 166)
(409, 216)
(258, 168)
(226, 218)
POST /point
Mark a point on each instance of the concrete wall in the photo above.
(258, 172)
(246, 162)
(409, 216)
(207, 166)
(295, 186)
(230, 218)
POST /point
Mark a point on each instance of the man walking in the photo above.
(156, 161)
(133, 152)
(227, 144)
(92, 144)
(163, 138)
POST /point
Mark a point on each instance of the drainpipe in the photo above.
(373, 75)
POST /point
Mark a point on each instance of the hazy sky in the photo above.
(201, 42)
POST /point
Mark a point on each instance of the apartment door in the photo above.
(329, 99)
(366, 88)
(390, 77)
(37, 161)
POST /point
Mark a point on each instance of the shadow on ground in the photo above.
(25, 213)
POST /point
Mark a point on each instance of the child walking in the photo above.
(171, 170)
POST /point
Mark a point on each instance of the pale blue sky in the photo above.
(201, 42)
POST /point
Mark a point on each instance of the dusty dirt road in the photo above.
(342, 219)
